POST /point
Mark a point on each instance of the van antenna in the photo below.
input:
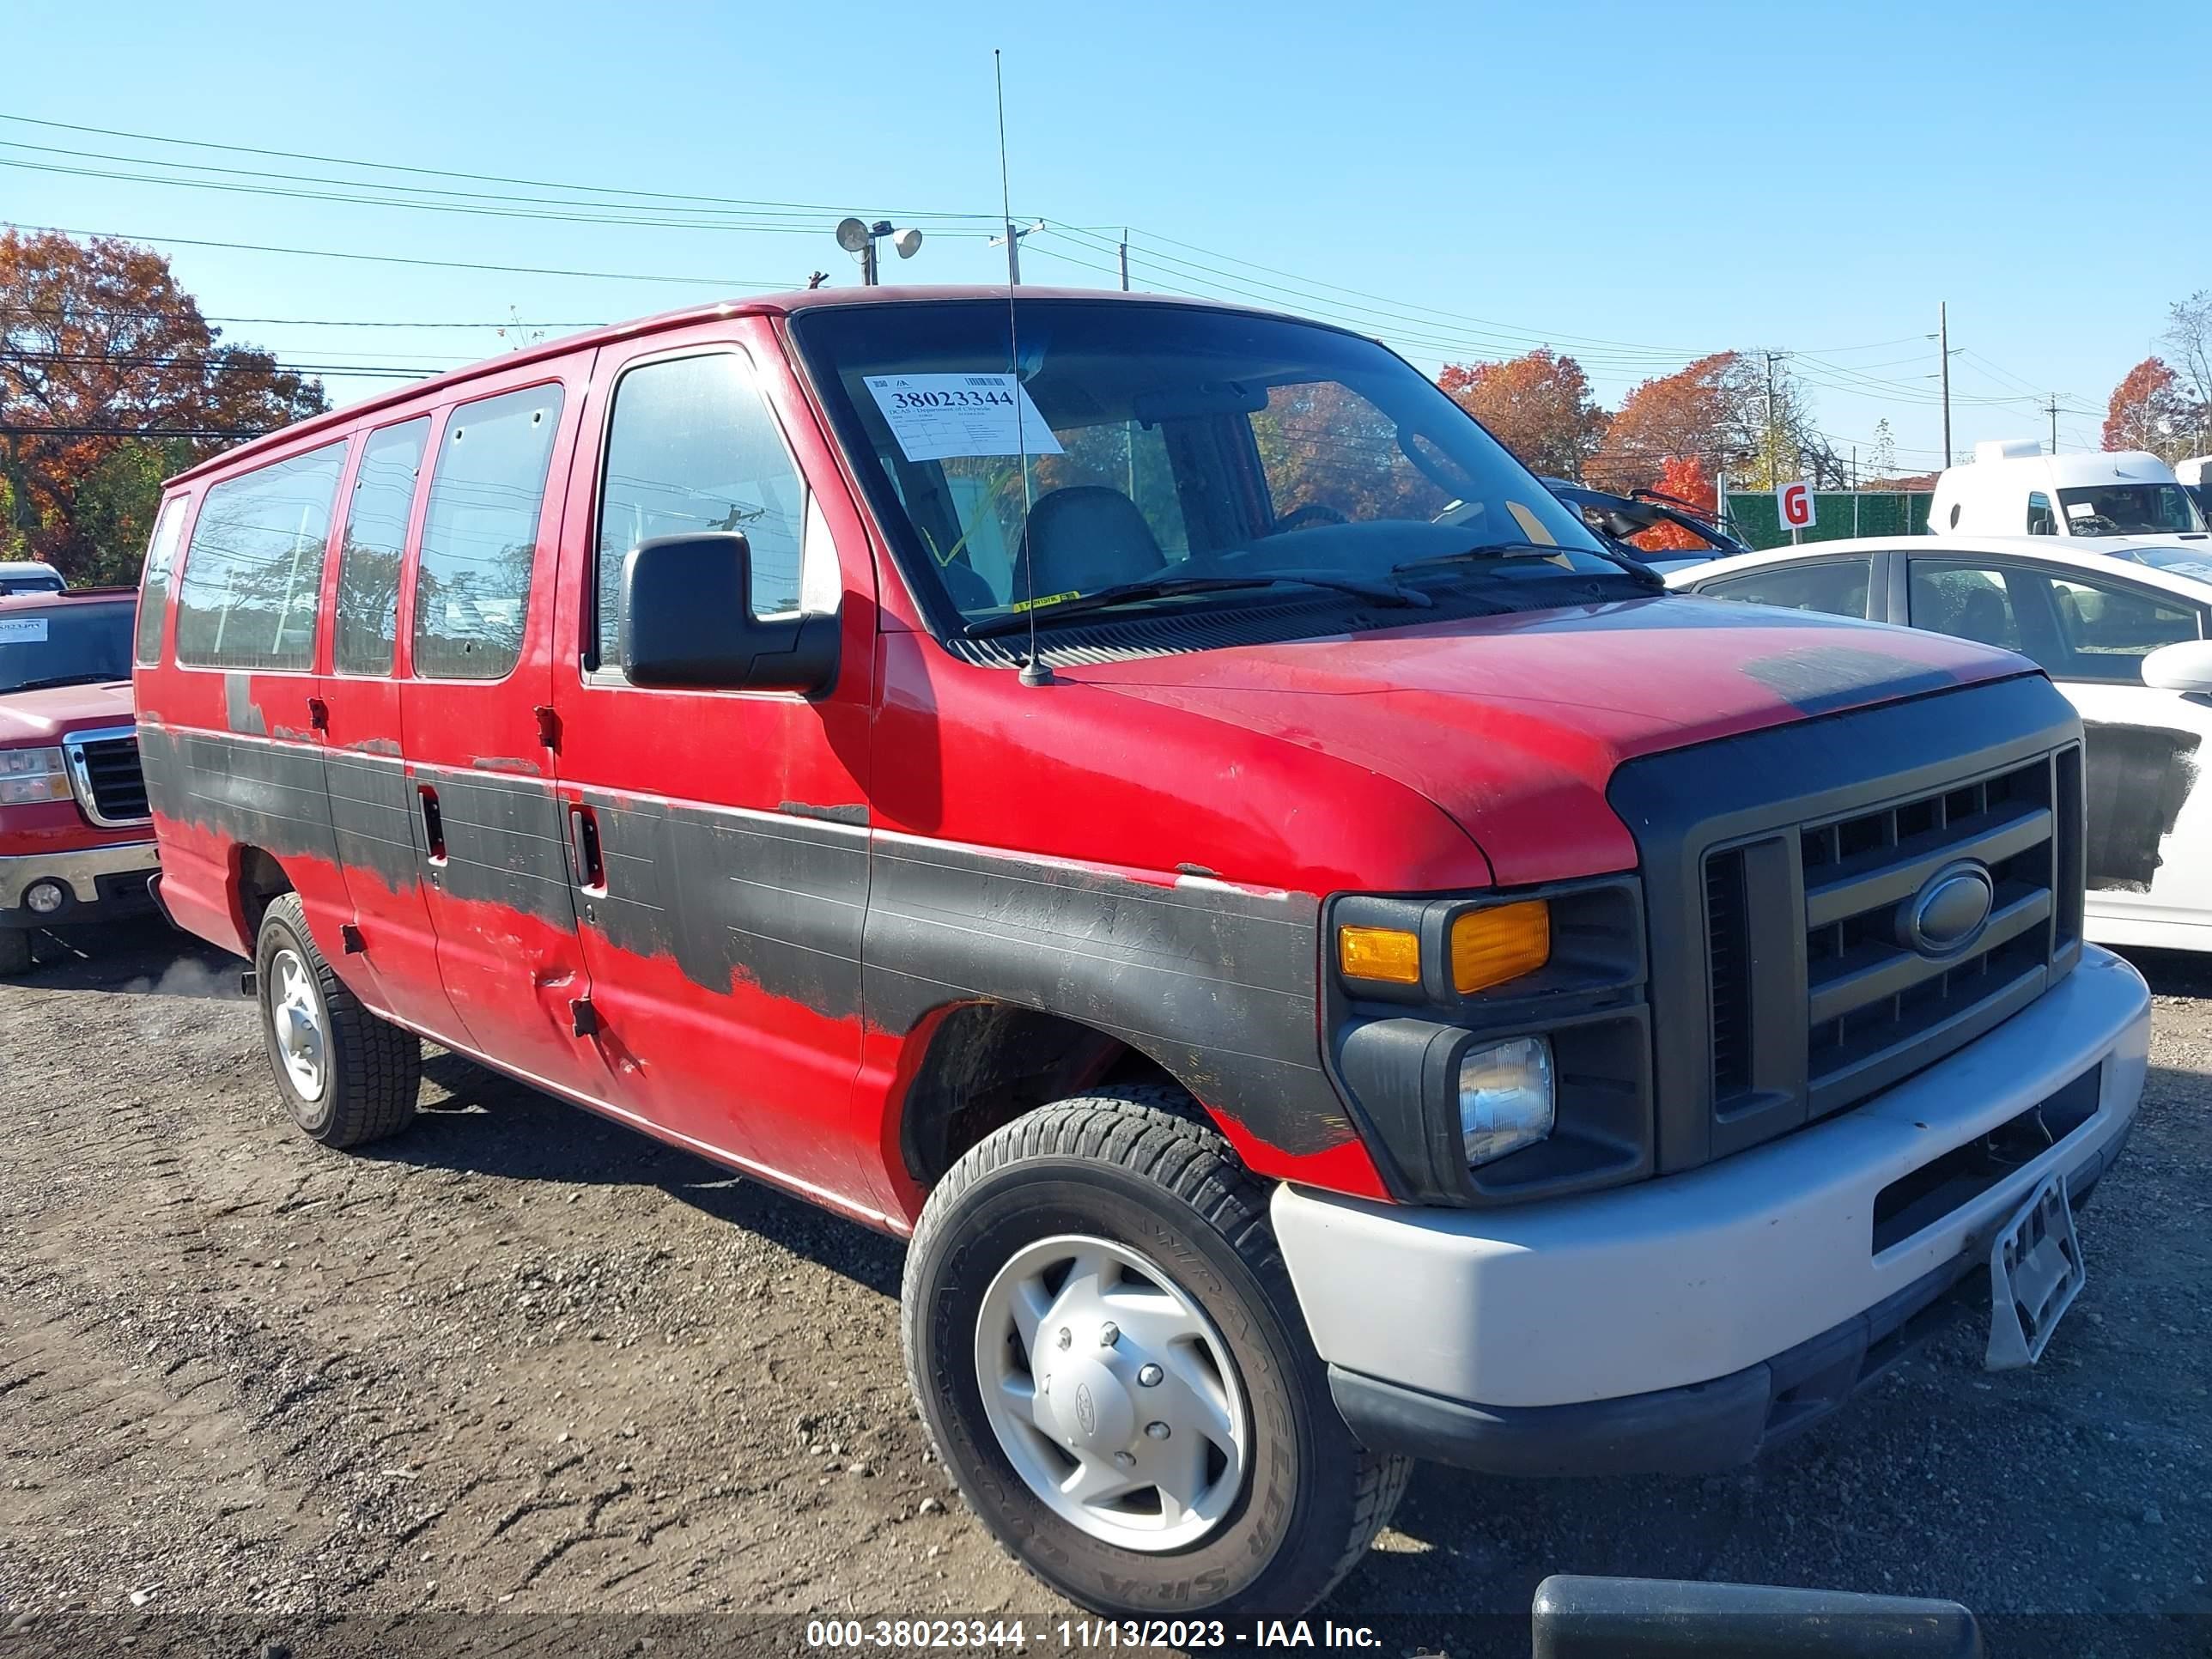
(1034, 672)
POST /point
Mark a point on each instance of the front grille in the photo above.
(1774, 865)
(1869, 993)
(1877, 1006)
(109, 780)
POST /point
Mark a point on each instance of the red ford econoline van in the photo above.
(1328, 964)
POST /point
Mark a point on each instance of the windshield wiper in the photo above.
(65, 679)
(1486, 551)
(1167, 586)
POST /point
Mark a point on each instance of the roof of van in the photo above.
(2077, 468)
(756, 305)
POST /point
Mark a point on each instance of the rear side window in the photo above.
(2041, 520)
(1965, 603)
(1836, 589)
(253, 571)
(480, 535)
(153, 586)
(376, 539)
(692, 449)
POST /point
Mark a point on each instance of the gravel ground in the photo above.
(520, 1360)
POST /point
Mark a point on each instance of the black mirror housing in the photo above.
(687, 623)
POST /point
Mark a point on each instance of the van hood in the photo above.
(1513, 725)
(46, 717)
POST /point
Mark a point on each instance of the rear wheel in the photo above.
(1108, 1351)
(15, 950)
(349, 1077)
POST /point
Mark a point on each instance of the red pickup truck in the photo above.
(1328, 963)
(76, 842)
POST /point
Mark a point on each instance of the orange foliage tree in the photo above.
(1539, 406)
(2150, 411)
(1684, 478)
(110, 379)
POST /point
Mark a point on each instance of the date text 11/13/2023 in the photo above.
(1085, 1635)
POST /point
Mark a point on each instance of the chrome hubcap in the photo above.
(1113, 1396)
(297, 1014)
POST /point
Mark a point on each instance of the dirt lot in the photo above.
(522, 1359)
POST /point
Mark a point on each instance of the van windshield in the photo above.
(69, 644)
(1145, 445)
(2144, 509)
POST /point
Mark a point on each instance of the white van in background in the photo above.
(2011, 487)
(2195, 475)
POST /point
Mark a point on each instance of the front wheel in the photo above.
(1108, 1351)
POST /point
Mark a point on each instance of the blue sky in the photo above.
(1636, 184)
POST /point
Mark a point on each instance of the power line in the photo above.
(449, 172)
(725, 283)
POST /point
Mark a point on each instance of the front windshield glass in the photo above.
(2144, 509)
(1166, 444)
(64, 644)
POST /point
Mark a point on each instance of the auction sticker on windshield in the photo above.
(937, 416)
(22, 630)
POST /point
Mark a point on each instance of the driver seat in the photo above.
(1087, 537)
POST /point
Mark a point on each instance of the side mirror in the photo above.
(686, 621)
(2184, 667)
(1574, 1618)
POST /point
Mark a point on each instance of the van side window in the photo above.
(376, 539)
(2041, 520)
(480, 535)
(253, 572)
(1837, 587)
(692, 449)
(153, 586)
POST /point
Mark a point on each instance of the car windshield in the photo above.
(2182, 561)
(2144, 509)
(31, 584)
(1169, 444)
(64, 644)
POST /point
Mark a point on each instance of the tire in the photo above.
(1131, 1171)
(370, 1070)
(15, 951)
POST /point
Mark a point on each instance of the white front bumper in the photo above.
(1692, 1277)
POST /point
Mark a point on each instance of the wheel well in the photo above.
(259, 880)
(988, 1063)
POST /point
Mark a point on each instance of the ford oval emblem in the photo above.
(1949, 911)
(1086, 1410)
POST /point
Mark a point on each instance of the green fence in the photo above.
(1839, 513)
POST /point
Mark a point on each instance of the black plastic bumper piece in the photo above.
(1699, 1429)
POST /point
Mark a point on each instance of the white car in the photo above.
(30, 576)
(2126, 633)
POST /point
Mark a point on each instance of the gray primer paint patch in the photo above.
(239, 712)
(2139, 777)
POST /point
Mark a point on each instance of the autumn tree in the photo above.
(110, 379)
(1716, 411)
(1682, 479)
(1539, 406)
(2150, 411)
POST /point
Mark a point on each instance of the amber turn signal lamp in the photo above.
(1489, 947)
(1388, 954)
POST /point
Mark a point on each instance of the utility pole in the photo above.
(1013, 256)
(1773, 430)
(1124, 258)
(2051, 408)
(1943, 346)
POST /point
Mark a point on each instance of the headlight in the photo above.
(33, 774)
(1505, 1097)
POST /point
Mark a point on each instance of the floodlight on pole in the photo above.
(858, 236)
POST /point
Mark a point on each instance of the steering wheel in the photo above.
(1305, 517)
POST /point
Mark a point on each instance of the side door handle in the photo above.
(434, 822)
(585, 860)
